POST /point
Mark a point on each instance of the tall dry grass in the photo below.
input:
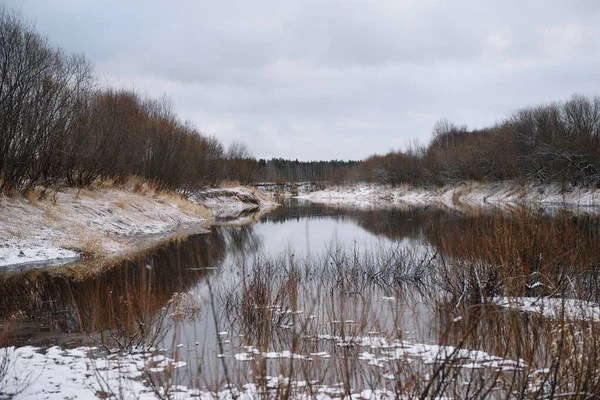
(403, 322)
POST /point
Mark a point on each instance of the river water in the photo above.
(344, 298)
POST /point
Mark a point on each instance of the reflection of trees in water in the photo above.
(242, 240)
(295, 210)
(562, 252)
(524, 239)
(512, 250)
(529, 230)
(495, 330)
(131, 293)
(394, 223)
(405, 223)
(524, 253)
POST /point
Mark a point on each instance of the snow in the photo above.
(393, 350)
(285, 354)
(244, 357)
(85, 372)
(251, 352)
(67, 374)
(106, 222)
(555, 308)
(471, 194)
(229, 203)
(382, 351)
(31, 255)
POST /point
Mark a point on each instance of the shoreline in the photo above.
(108, 223)
(469, 195)
(102, 223)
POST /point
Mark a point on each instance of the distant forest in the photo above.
(555, 143)
(59, 127)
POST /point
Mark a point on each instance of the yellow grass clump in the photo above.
(32, 197)
(229, 184)
(184, 204)
(89, 244)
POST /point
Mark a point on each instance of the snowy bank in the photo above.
(110, 222)
(555, 308)
(232, 203)
(290, 189)
(471, 194)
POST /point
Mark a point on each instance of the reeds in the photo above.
(418, 320)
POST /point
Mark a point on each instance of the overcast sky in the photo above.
(333, 79)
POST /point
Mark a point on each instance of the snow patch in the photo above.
(107, 221)
(472, 194)
(555, 308)
(394, 350)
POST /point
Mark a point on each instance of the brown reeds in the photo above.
(397, 321)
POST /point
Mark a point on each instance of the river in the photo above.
(338, 300)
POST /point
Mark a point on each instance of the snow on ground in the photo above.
(55, 373)
(384, 351)
(290, 189)
(555, 308)
(87, 373)
(104, 221)
(231, 202)
(470, 194)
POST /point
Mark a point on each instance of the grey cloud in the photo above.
(334, 79)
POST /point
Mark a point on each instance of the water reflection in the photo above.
(64, 303)
(117, 297)
(315, 279)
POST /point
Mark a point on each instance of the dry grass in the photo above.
(50, 214)
(89, 192)
(184, 204)
(122, 204)
(92, 266)
(33, 197)
(140, 185)
(89, 244)
(226, 184)
(19, 234)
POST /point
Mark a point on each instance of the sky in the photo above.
(322, 80)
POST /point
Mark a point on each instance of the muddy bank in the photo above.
(110, 222)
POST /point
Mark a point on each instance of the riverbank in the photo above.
(103, 222)
(470, 194)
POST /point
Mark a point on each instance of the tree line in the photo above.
(282, 170)
(553, 143)
(57, 126)
(241, 166)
